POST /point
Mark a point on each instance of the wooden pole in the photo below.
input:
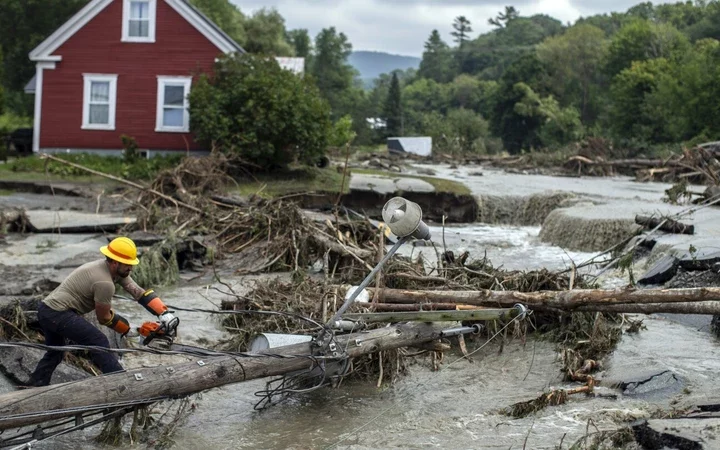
(31, 406)
(434, 316)
(575, 300)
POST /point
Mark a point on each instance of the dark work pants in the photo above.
(63, 326)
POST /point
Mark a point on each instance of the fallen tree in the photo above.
(694, 300)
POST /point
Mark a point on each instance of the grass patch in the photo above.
(33, 168)
(440, 184)
(295, 180)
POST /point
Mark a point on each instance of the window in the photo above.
(172, 104)
(99, 95)
(138, 21)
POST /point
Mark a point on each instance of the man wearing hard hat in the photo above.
(91, 287)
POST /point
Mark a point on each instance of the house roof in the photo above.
(30, 86)
(293, 64)
(44, 51)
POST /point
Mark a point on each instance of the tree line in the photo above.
(642, 79)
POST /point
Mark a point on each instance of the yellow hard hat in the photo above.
(122, 250)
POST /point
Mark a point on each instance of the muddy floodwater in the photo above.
(671, 363)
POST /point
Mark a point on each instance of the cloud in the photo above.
(403, 26)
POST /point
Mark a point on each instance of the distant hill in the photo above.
(372, 64)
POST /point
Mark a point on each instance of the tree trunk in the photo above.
(668, 225)
(575, 300)
(38, 405)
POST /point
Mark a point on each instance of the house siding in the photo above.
(179, 50)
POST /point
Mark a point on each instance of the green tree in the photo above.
(558, 126)
(640, 40)
(630, 114)
(253, 108)
(518, 131)
(503, 19)
(24, 24)
(332, 72)
(684, 99)
(460, 132)
(437, 59)
(266, 33)
(462, 28)
(420, 96)
(301, 42)
(574, 61)
(392, 112)
(225, 15)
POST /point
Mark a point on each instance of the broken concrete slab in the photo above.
(665, 382)
(663, 270)
(700, 259)
(48, 250)
(386, 185)
(75, 222)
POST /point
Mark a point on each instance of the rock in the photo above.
(18, 363)
(425, 171)
(394, 168)
(476, 174)
(663, 270)
(683, 433)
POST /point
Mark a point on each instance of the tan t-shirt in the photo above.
(88, 284)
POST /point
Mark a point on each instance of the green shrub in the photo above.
(260, 112)
(10, 122)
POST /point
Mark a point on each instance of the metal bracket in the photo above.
(170, 369)
(138, 377)
(201, 363)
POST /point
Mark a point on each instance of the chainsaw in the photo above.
(161, 336)
(162, 331)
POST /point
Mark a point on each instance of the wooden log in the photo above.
(31, 406)
(664, 224)
(435, 316)
(575, 300)
(414, 307)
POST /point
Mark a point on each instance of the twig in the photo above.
(123, 181)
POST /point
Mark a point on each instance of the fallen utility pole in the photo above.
(31, 406)
(694, 300)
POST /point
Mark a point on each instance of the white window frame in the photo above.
(88, 79)
(152, 9)
(186, 82)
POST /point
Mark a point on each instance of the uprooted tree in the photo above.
(252, 108)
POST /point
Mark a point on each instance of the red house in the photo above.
(123, 67)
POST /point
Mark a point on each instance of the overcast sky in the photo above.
(402, 26)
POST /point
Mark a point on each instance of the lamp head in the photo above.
(405, 218)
